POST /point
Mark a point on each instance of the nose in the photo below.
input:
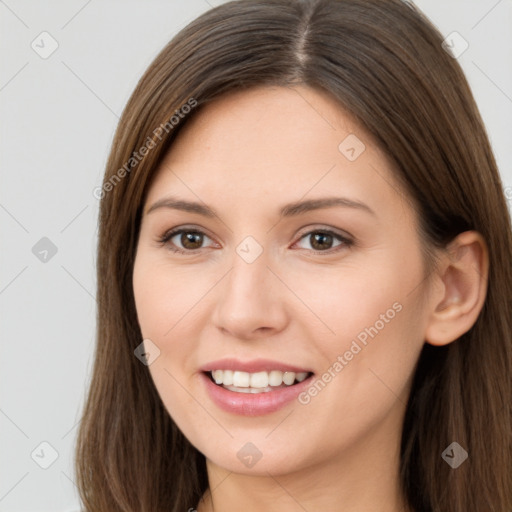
(251, 300)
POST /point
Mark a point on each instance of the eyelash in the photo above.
(167, 236)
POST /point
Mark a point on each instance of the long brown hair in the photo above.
(382, 60)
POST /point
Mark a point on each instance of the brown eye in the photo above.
(191, 240)
(324, 241)
(321, 241)
(183, 240)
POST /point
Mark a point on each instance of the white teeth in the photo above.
(289, 378)
(255, 382)
(227, 378)
(259, 380)
(240, 379)
(248, 390)
(275, 378)
(299, 376)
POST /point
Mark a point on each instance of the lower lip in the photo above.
(253, 404)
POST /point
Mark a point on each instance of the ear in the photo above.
(462, 284)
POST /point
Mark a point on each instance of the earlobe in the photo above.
(463, 276)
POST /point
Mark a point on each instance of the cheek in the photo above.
(164, 297)
(344, 302)
(371, 331)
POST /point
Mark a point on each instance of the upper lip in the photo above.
(252, 366)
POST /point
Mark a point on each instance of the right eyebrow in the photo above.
(186, 206)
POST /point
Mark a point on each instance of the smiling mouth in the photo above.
(259, 382)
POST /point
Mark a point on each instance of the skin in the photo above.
(246, 155)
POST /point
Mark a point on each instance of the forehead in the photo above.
(276, 144)
(278, 119)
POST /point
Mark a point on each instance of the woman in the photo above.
(303, 274)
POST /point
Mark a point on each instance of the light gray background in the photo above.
(58, 117)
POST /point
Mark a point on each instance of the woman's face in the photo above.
(308, 271)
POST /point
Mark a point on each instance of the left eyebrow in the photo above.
(300, 207)
(288, 210)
